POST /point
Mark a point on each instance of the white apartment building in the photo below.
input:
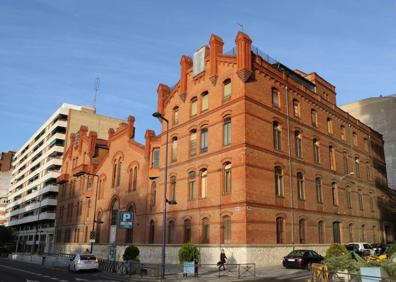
(32, 197)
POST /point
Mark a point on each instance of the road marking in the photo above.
(29, 272)
(27, 280)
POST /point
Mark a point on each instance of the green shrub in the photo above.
(342, 263)
(188, 252)
(131, 253)
(336, 250)
(392, 249)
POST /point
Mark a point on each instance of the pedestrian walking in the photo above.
(223, 259)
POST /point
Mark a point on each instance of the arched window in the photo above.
(204, 183)
(279, 182)
(329, 126)
(296, 108)
(153, 193)
(336, 232)
(113, 179)
(134, 184)
(205, 230)
(156, 155)
(191, 185)
(194, 106)
(171, 232)
(227, 89)
(316, 150)
(129, 232)
(226, 229)
(275, 98)
(348, 197)
(130, 179)
(204, 139)
(319, 193)
(151, 232)
(345, 161)
(115, 206)
(174, 149)
(334, 193)
(204, 101)
(119, 173)
(300, 186)
(332, 159)
(187, 231)
(357, 168)
(321, 232)
(301, 231)
(298, 143)
(277, 132)
(227, 177)
(227, 131)
(175, 115)
(193, 142)
(360, 197)
(173, 188)
(279, 230)
(350, 232)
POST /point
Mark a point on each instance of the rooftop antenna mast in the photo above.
(96, 88)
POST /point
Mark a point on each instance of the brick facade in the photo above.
(235, 168)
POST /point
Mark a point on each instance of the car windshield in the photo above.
(298, 253)
(87, 257)
(367, 246)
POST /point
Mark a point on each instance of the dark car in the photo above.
(301, 259)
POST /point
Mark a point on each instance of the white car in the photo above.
(83, 262)
(363, 249)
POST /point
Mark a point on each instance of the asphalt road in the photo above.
(13, 271)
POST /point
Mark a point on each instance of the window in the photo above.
(227, 131)
(357, 169)
(113, 179)
(205, 230)
(300, 186)
(345, 161)
(343, 134)
(151, 232)
(336, 232)
(187, 231)
(329, 126)
(153, 193)
(319, 194)
(173, 188)
(348, 198)
(204, 140)
(134, 182)
(174, 149)
(301, 231)
(360, 197)
(296, 108)
(355, 138)
(156, 155)
(119, 173)
(334, 193)
(278, 182)
(227, 89)
(279, 230)
(350, 232)
(114, 212)
(204, 101)
(204, 183)
(314, 118)
(194, 106)
(366, 144)
(130, 179)
(191, 185)
(275, 97)
(332, 158)
(298, 143)
(171, 232)
(277, 135)
(368, 173)
(193, 143)
(227, 178)
(321, 232)
(316, 151)
(175, 115)
(226, 229)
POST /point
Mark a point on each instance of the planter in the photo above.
(189, 267)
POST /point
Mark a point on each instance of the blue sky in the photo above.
(52, 51)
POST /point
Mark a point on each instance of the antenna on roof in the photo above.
(96, 88)
(241, 26)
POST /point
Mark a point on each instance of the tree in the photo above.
(6, 235)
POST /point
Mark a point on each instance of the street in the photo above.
(14, 271)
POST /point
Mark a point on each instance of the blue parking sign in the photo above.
(125, 219)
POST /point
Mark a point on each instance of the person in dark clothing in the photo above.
(223, 259)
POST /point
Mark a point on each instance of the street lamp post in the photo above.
(165, 201)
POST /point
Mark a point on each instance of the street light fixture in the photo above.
(96, 199)
(165, 200)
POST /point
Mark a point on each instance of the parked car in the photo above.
(83, 262)
(380, 248)
(302, 259)
(362, 249)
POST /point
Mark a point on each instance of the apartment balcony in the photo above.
(81, 170)
(33, 218)
(63, 178)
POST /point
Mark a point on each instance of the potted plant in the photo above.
(130, 257)
(189, 256)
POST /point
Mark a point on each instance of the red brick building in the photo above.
(258, 154)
